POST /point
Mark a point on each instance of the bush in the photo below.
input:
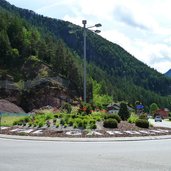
(143, 116)
(26, 119)
(54, 121)
(40, 124)
(132, 118)
(142, 123)
(113, 116)
(75, 125)
(57, 115)
(30, 124)
(62, 121)
(57, 125)
(70, 122)
(123, 112)
(67, 107)
(110, 123)
(48, 116)
(93, 126)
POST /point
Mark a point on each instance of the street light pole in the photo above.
(84, 22)
(84, 35)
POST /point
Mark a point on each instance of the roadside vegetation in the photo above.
(86, 116)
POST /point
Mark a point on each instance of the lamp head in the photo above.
(98, 25)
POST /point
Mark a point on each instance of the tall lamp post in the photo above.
(84, 22)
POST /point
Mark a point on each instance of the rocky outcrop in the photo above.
(6, 106)
(42, 92)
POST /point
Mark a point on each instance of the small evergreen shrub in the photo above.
(62, 121)
(113, 116)
(124, 112)
(93, 126)
(30, 124)
(70, 122)
(143, 116)
(75, 125)
(57, 125)
(67, 107)
(110, 123)
(48, 116)
(54, 121)
(40, 124)
(142, 123)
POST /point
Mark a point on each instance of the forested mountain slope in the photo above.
(31, 37)
(168, 73)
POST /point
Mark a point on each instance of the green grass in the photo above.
(9, 120)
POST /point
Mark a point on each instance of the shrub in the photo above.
(48, 123)
(54, 121)
(48, 116)
(15, 122)
(26, 119)
(123, 112)
(84, 123)
(110, 123)
(143, 116)
(132, 118)
(142, 123)
(75, 125)
(65, 125)
(62, 121)
(40, 124)
(67, 107)
(79, 122)
(57, 125)
(113, 116)
(30, 124)
(56, 115)
(70, 122)
(93, 126)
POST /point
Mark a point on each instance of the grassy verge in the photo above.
(9, 120)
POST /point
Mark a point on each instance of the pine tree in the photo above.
(123, 111)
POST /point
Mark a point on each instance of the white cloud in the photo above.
(142, 27)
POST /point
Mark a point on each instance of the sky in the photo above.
(141, 27)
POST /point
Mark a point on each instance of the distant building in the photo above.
(162, 112)
(115, 107)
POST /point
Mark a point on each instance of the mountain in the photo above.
(37, 47)
(168, 73)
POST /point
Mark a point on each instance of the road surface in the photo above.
(164, 123)
(21, 155)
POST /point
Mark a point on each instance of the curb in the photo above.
(67, 139)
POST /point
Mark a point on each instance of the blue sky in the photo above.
(142, 27)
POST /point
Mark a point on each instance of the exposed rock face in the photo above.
(43, 92)
(6, 106)
(39, 89)
(9, 90)
(34, 68)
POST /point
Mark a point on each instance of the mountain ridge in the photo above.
(168, 73)
(121, 75)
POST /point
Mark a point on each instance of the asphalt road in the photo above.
(164, 123)
(21, 155)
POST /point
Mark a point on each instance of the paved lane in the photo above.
(164, 123)
(20, 155)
